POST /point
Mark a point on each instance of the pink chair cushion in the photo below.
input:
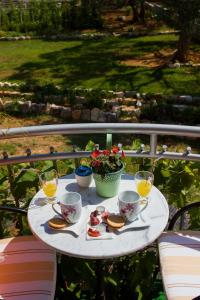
(27, 269)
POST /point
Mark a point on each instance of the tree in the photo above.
(90, 14)
(182, 15)
(138, 8)
(65, 15)
(142, 11)
(45, 21)
(55, 15)
(13, 16)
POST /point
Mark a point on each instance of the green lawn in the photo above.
(96, 64)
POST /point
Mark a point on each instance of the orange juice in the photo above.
(49, 188)
(143, 187)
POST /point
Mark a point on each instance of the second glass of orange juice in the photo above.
(144, 182)
(49, 182)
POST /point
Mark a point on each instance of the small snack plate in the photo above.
(96, 227)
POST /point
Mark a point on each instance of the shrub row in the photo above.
(50, 16)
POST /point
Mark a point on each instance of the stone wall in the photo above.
(114, 110)
(87, 36)
(121, 106)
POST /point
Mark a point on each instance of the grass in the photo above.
(9, 147)
(96, 64)
(36, 144)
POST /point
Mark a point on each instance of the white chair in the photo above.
(27, 267)
(179, 253)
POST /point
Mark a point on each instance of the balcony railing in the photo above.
(152, 130)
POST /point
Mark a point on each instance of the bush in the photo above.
(94, 98)
(49, 17)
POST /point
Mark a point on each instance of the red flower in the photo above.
(115, 149)
(106, 161)
(123, 154)
(106, 152)
(96, 163)
(95, 153)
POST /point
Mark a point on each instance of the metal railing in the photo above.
(152, 130)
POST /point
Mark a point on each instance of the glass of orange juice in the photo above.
(49, 182)
(144, 182)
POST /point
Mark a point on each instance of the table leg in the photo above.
(100, 292)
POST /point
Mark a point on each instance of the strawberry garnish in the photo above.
(93, 232)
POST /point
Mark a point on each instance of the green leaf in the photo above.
(64, 167)
(90, 268)
(139, 292)
(47, 166)
(189, 171)
(136, 144)
(71, 287)
(111, 280)
(165, 173)
(26, 179)
(3, 179)
(90, 146)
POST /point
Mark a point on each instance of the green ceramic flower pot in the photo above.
(108, 185)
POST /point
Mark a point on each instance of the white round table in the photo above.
(124, 243)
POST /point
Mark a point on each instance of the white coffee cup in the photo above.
(129, 205)
(70, 205)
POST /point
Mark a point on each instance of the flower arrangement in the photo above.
(107, 161)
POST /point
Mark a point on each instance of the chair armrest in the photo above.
(13, 209)
(180, 212)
